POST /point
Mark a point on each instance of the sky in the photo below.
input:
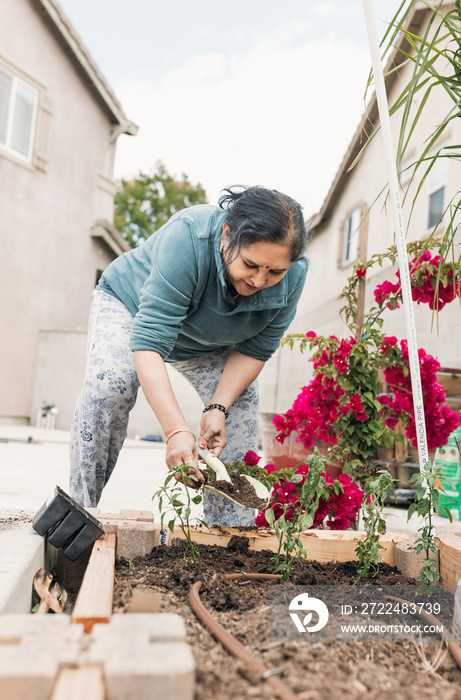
(252, 92)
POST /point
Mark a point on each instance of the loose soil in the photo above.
(240, 490)
(349, 670)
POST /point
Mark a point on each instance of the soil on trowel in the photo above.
(313, 671)
(240, 490)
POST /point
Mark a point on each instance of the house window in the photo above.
(436, 181)
(351, 236)
(18, 109)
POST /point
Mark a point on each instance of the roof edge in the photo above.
(110, 235)
(79, 51)
(370, 117)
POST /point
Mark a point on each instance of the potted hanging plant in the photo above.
(344, 405)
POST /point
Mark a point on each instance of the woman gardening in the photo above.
(211, 292)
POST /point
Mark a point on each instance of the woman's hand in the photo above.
(181, 449)
(239, 372)
(213, 431)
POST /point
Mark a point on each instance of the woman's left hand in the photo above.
(213, 431)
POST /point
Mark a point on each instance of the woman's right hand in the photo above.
(181, 449)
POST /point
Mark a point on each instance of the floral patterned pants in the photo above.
(109, 393)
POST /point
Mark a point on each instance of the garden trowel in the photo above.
(222, 475)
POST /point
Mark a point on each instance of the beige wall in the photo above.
(59, 378)
(49, 260)
(319, 307)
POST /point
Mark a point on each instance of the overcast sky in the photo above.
(249, 92)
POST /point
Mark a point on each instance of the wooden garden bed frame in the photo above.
(95, 598)
(94, 602)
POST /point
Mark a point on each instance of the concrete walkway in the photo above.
(29, 472)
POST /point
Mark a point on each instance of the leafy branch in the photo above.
(172, 491)
(298, 514)
(429, 481)
(368, 550)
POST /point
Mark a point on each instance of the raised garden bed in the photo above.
(320, 670)
(351, 669)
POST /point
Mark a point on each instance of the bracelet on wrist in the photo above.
(218, 406)
(180, 430)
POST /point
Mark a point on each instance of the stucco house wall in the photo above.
(56, 213)
(50, 204)
(319, 306)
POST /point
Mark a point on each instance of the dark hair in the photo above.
(258, 214)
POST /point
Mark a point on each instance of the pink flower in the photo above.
(251, 459)
(388, 342)
(342, 507)
(424, 273)
(270, 468)
(360, 272)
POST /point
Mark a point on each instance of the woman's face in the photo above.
(257, 266)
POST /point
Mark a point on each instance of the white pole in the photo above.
(399, 233)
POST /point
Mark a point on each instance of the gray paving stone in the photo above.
(135, 539)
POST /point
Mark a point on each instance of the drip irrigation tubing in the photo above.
(452, 644)
(232, 645)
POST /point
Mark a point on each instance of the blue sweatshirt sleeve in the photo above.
(167, 293)
(263, 345)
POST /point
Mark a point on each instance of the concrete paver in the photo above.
(135, 539)
(159, 627)
(32, 649)
(144, 656)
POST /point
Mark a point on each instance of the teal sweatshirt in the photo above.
(174, 286)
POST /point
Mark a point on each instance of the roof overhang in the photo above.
(111, 236)
(57, 17)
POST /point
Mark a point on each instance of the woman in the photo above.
(212, 292)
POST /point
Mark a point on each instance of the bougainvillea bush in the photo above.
(301, 498)
(336, 501)
(344, 404)
(341, 503)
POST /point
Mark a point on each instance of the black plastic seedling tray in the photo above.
(66, 524)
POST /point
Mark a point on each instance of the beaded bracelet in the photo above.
(216, 405)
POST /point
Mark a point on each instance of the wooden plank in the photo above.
(94, 601)
(83, 683)
(450, 559)
(451, 384)
(321, 545)
(362, 283)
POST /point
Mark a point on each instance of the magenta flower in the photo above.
(342, 508)
(251, 459)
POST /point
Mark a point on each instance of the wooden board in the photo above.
(450, 559)
(94, 601)
(83, 683)
(451, 384)
(321, 545)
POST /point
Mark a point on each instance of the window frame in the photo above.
(18, 80)
(433, 189)
(348, 235)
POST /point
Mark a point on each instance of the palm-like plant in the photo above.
(435, 57)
